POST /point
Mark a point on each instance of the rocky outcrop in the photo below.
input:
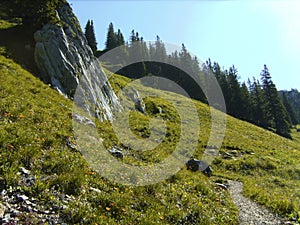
(67, 63)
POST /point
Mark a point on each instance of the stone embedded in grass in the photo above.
(138, 101)
(2, 210)
(198, 165)
(116, 153)
(72, 144)
(22, 198)
(25, 171)
(83, 120)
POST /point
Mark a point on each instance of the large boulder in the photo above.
(67, 63)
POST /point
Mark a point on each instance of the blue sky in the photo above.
(245, 33)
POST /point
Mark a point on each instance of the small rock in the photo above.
(116, 153)
(83, 120)
(71, 145)
(225, 187)
(95, 190)
(25, 171)
(2, 210)
(198, 165)
(22, 198)
(138, 101)
(6, 218)
(227, 156)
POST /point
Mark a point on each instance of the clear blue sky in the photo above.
(247, 34)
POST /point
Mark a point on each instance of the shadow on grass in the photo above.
(19, 44)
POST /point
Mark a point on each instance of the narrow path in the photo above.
(249, 211)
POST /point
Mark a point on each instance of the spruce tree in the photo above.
(245, 109)
(221, 77)
(120, 38)
(289, 109)
(90, 35)
(279, 118)
(258, 104)
(234, 103)
(111, 39)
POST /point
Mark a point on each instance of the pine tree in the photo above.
(293, 97)
(160, 50)
(120, 38)
(111, 39)
(279, 118)
(90, 35)
(289, 109)
(136, 52)
(258, 104)
(235, 102)
(221, 77)
(245, 110)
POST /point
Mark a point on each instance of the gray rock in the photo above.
(71, 145)
(67, 63)
(22, 198)
(6, 218)
(223, 186)
(227, 156)
(138, 101)
(83, 120)
(198, 165)
(2, 210)
(116, 153)
(95, 190)
(25, 171)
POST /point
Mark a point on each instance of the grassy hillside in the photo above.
(267, 163)
(36, 127)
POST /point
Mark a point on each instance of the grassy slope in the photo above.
(36, 122)
(268, 164)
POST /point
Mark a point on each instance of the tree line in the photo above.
(293, 98)
(257, 101)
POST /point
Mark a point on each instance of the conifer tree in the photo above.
(160, 50)
(90, 35)
(258, 104)
(234, 101)
(245, 109)
(221, 77)
(111, 39)
(279, 118)
(289, 109)
(120, 38)
(293, 97)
